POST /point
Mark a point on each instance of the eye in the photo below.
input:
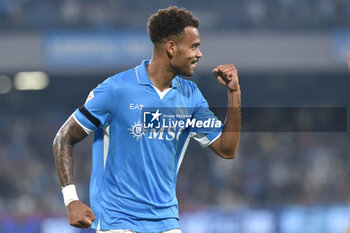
(195, 46)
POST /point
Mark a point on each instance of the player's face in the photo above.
(187, 52)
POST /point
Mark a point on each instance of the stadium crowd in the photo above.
(272, 169)
(251, 14)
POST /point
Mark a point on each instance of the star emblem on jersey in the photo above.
(156, 115)
(136, 130)
(151, 119)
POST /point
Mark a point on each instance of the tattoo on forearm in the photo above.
(67, 136)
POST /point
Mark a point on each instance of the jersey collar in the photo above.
(143, 79)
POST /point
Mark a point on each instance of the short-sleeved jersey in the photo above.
(135, 168)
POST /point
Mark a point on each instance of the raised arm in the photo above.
(70, 133)
(226, 145)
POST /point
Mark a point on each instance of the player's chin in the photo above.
(189, 71)
(188, 74)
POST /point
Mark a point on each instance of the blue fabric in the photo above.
(134, 177)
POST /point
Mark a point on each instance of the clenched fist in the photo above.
(227, 76)
(80, 215)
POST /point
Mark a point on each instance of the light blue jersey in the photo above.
(135, 165)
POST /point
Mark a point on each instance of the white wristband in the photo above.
(69, 194)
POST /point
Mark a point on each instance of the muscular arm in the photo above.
(226, 145)
(69, 134)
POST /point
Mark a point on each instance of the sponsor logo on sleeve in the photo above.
(90, 96)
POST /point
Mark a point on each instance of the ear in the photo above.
(170, 47)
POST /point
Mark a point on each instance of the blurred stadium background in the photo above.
(289, 53)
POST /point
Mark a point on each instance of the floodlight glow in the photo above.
(31, 81)
(5, 84)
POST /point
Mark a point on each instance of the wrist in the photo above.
(69, 194)
(231, 90)
(234, 93)
(234, 99)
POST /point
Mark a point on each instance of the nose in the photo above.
(199, 53)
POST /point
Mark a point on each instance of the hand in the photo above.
(227, 76)
(80, 215)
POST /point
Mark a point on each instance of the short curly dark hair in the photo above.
(170, 22)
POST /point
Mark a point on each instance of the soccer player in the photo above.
(135, 168)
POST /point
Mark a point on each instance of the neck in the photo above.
(159, 73)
